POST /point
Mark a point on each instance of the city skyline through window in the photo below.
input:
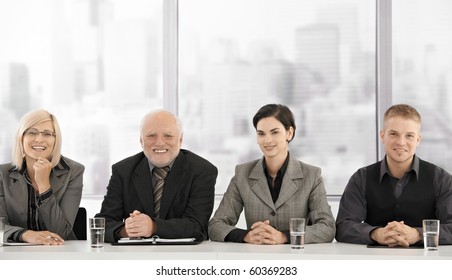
(98, 66)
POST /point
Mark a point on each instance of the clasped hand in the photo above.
(396, 234)
(139, 225)
(264, 233)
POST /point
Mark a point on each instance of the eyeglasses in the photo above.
(33, 133)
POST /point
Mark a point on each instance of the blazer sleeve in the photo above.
(59, 211)
(323, 226)
(112, 206)
(4, 184)
(228, 212)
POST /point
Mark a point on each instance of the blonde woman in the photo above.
(40, 191)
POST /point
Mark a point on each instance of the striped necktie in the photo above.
(160, 173)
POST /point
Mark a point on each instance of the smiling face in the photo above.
(400, 136)
(40, 145)
(273, 138)
(161, 138)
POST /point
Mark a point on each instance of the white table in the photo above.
(209, 250)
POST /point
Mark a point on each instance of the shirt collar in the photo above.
(152, 166)
(414, 168)
(281, 171)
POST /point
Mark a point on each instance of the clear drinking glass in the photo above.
(297, 230)
(97, 232)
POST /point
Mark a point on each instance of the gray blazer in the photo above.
(302, 195)
(57, 214)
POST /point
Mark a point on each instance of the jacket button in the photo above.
(273, 213)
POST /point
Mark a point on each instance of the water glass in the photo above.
(2, 229)
(297, 230)
(431, 234)
(97, 232)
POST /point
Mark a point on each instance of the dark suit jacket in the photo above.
(186, 204)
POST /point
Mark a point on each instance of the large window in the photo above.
(98, 65)
(423, 71)
(317, 57)
(95, 64)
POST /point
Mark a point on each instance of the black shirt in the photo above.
(275, 185)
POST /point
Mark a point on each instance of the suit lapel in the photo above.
(19, 191)
(260, 186)
(142, 182)
(55, 177)
(173, 182)
(288, 187)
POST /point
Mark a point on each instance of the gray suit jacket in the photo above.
(302, 195)
(57, 214)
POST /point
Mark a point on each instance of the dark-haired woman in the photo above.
(274, 189)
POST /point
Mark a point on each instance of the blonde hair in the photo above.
(29, 120)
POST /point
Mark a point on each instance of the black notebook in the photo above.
(414, 246)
